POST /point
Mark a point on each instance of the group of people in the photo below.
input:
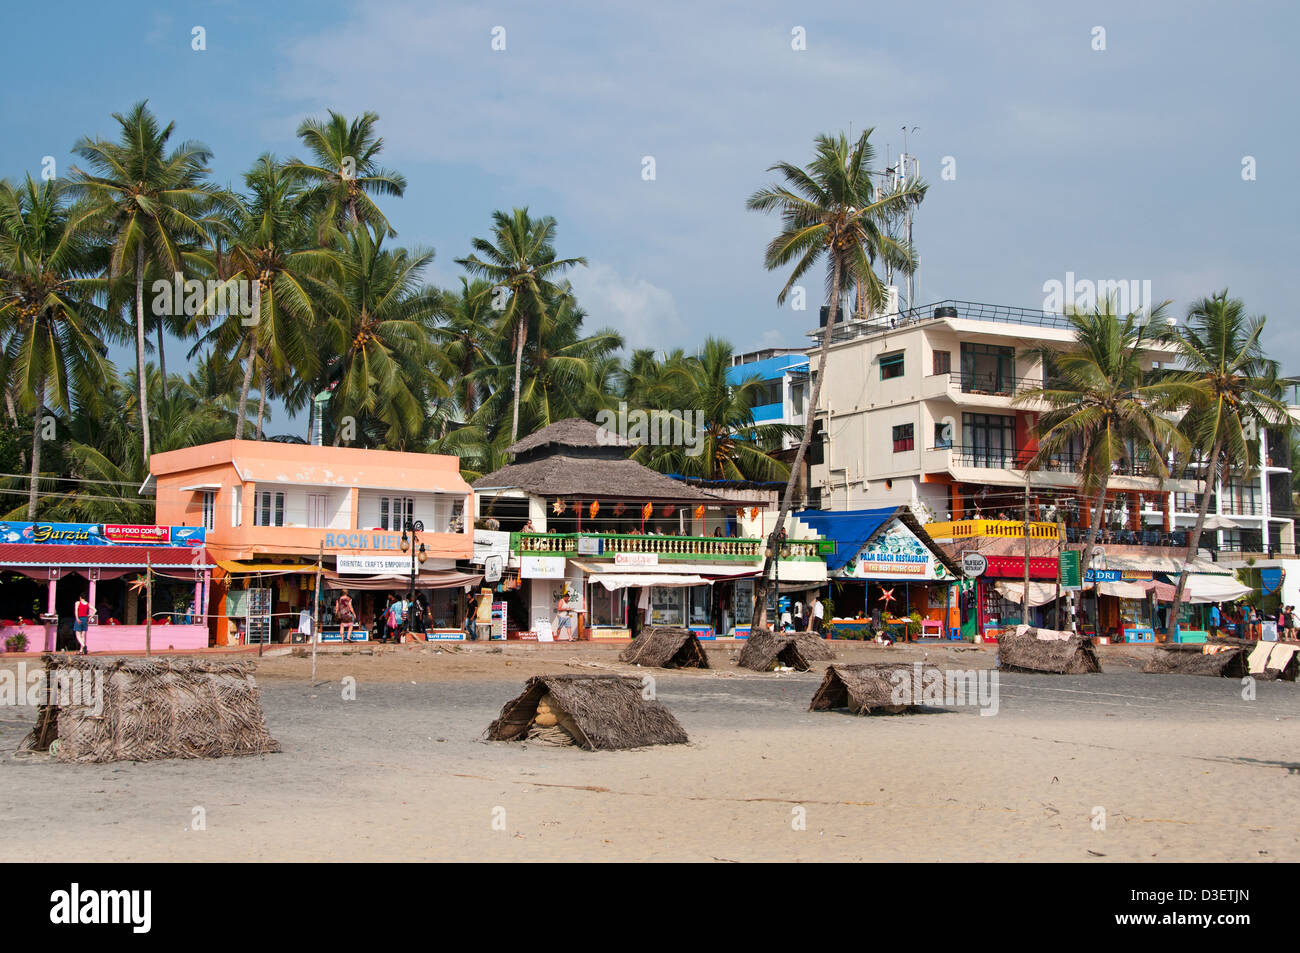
(399, 617)
(1248, 620)
(809, 618)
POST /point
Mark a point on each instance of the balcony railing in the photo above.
(1005, 529)
(996, 385)
(666, 547)
(1018, 459)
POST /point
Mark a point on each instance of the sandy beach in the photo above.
(1119, 766)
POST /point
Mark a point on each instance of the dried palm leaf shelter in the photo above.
(1214, 658)
(1045, 651)
(596, 712)
(814, 648)
(874, 688)
(765, 651)
(666, 647)
(106, 708)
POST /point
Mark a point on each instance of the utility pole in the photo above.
(148, 603)
(1024, 609)
(315, 616)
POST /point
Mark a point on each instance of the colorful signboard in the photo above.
(636, 559)
(372, 565)
(101, 534)
(896, 553)
(1071, 578)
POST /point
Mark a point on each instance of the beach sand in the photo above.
(1119, 766)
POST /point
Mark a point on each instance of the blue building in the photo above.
(784, 376)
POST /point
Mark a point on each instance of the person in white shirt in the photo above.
(818, 613)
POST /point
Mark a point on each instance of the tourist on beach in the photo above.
(345, 615)
(563, 619)
(818, 613)
(1216, 619)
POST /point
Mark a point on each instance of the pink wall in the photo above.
(130, 638)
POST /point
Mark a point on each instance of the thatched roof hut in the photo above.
(1213, 658)
(600, 712)
(1269, 661)
(872, 688)
(666, 647)
(764, 650)
(1045, 651)
(106, 708)
(814, 648)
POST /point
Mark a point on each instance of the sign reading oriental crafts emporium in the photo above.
(101, 534)
(368, 565)
(896, 553)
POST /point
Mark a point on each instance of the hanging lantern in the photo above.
(558, 508)
(699, 512)
(593, 509)
(619, 508)
(647, 511)
(753, 512)
(669, 510)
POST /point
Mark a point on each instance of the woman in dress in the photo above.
(345, 615)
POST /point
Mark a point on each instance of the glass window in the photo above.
(209, 509)
(943, 362)
(891, 366)
(607, 608)
(903, 438)
(743, 601)
(269, 508)
(942, 436)
(668, 605)
(700, 605)
(988, 369)
(988, 440)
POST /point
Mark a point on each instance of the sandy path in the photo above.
(1183, 768)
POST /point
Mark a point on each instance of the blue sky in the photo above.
(1116, 164)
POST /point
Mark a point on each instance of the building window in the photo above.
(891, 366)
(942, 436)
(237, 506)
(209, 509)
(988, 369)
(395, 512)
(903, 438)
(988, 440)
(269, 508)
(943, 362)
(316, 509)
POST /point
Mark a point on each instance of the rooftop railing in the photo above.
(668, 547)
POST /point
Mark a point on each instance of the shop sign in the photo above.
(897, 553)
(1071, 578)
(636, 559)
(541, 567)
(98, 534)
(373, 565)
(1104, 575)
(974, 564)
(589, 545)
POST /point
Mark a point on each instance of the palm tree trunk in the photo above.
(1194, 541)
(248, 367)
(141, 376)
(261, 400)
(162, 358)
(519, 364)
(774, 538)
(36, 453)
(9, 405)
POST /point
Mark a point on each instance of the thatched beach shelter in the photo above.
(872, 688)
(666, 647)
(1046, 651)
(1212, 658)
(765, 650)
(596, 712)
(105, 708)
(814, 648)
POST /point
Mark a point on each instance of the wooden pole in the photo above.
(315, 618)
(148, 603)
(1060, 547)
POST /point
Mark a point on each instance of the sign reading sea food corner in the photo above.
(896, 553)
(98, 534)
(541, 567)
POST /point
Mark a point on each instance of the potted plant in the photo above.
(16, 642)
(914, 626)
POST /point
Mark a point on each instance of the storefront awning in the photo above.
(612, 581)
(1123, 590)
(1205, 588)
(235, 567)
(14, 555)
(436, 579)
(1040, 593)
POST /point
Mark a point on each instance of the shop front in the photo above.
(144, 585)
(1000, 599)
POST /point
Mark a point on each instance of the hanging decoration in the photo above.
(593, 509)
(670, 509)
(753, 512)
(886, 595)
(699, 512)
(647, 511)
(558, 508)
(619, 508)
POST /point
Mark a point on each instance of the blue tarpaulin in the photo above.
(849, 528)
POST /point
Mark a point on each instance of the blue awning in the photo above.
(849, 528)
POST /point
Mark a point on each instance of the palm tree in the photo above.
(377, 320)
(522, 263)
(731, 446)
(148, 202)
(1231, 388)
(462, 329)
(271, 248)
(344, 173)
(1101, 400)
(54, 331)
(831, 213)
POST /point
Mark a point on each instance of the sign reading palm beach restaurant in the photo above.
(896, 553)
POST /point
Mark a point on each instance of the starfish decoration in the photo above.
(558, 508)
(138, 585)
(619, 508)
(887, 595)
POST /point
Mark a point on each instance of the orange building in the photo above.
(270, 509)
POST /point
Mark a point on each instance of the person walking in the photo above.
(563, 619)
(345, 615)
(1216, 618)
(818, 615)
(471, 617)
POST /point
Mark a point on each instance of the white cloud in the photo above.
(645, 314)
